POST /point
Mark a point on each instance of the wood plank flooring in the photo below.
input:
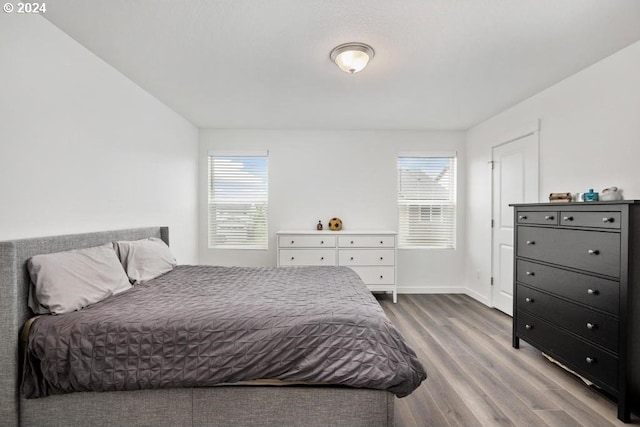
(475, 377)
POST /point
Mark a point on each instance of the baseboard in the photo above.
(478, 297)
(431, 290)
(444, 290)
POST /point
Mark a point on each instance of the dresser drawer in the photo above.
(591, 219)
(288, 257)
(538, 217)
(376, 275)
(594, 251)
(305, 241)
(376, 241)
(593, 291)
(587, 360)
(595, 327)
(351, 257)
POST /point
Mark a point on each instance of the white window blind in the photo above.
(238, 201)
(427, 201)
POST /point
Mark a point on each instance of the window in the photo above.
(427, 200)
(238, 200)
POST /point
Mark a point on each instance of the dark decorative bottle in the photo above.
(319, 226)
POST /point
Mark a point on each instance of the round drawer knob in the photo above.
(549, 217)
(522, 217)
(591, 360)
(607, 220)
(322, 242)
(528, 326)
(568, 218)
(292, 242)
(530, 242)
(381, 242)
(321, 258)
(381, 277)
(593, 291)
(351, 258)
(593, 252)
(529, 300)
(292, 258)
(530, 273)
(352, 242)
(381, 258)
(591, 325)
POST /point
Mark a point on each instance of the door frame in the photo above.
(514, 135)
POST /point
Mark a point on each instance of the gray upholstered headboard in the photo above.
(14, 289)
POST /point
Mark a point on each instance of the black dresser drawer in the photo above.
(538, 217)
(589, 324)
(587, 360)
(596, 292)
(590, 219)
(594, 251)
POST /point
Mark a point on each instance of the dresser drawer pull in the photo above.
(592, 325)
(527, 299)
(530, 273)
(321, 258)
(591, 360)
(530, 242)
(351, 258)
(568, 218)
(381, 242)
(381, 258)
(292, 242)
(606, 220)
(593, 291)
(322, 242)
(522, 217)
(381, 277)
(549, 217)
(292, 258)
(528, 326)
(593, 252)
(352, 242)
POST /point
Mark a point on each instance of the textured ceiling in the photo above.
(446, 64)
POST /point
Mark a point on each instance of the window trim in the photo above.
(454, 201)
(235, 153)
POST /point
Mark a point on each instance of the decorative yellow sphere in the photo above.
(335, 224)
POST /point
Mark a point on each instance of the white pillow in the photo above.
(67, 281)
(145, 259)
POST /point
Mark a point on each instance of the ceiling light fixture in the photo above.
(352, 57)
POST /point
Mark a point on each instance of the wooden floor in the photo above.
(475, 377)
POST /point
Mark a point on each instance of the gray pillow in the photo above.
(145, 259)
(67, 281)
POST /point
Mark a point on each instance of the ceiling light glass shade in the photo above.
(352, 57)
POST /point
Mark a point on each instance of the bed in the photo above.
(234, 403)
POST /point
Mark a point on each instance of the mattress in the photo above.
(200, 326)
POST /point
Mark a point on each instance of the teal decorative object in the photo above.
(590, 196)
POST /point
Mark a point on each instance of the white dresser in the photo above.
(371, 254)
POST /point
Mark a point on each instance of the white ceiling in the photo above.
(439, 64)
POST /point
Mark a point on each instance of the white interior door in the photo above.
(515, 180)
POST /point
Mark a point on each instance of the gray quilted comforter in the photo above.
(205, 325)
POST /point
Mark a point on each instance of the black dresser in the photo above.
(577, 290)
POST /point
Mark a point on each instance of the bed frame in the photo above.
(206, 406)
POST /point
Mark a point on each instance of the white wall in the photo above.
(82, 148)
(350, 174)
(589, 138)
